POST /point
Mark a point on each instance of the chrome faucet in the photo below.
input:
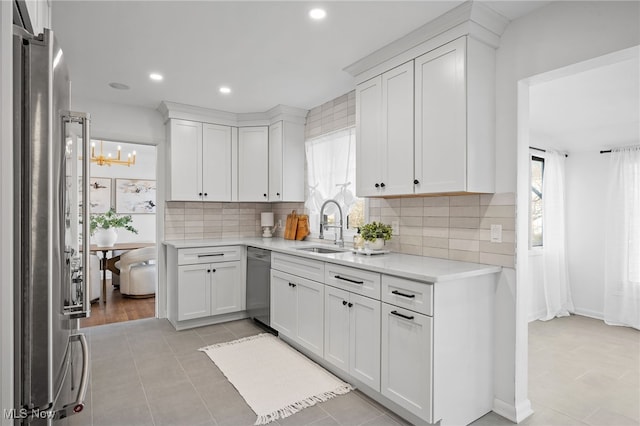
(325, 225)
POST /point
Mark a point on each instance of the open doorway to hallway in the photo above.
(123, 274)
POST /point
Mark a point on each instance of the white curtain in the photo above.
(331, 174)
(555, 269)
(622, 243)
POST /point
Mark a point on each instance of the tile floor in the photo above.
(146, 373)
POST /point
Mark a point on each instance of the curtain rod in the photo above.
(543, 150)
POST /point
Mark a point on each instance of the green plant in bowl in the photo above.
(111, 220)
(374, 230)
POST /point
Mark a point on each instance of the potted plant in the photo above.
(104, 226)
(376, 233)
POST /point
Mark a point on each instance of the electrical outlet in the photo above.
(496, 233)
(395, 227)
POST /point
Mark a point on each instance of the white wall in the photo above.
(586, 181)
(145, 168)
(551, 37)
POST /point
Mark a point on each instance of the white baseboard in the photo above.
(589, 313)
(515, 413)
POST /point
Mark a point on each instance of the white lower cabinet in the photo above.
(209, 289)
(407, 347)
(297, 309)
(352, 334)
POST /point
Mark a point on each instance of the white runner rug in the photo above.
(273, 378)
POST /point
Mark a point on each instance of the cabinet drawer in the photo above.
(413, 295)
(300, 266)
(354, 280)
(197, 255)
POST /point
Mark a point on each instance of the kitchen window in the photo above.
(535, 204)
(331, 174)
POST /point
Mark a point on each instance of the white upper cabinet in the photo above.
(253, 163)
(384, 120)
(185, 161)
(368, 137)
(427, 126)
(200, 162)
(286, 161)
(216, 163)
(454, 118)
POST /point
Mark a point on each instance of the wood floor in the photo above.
(118, 309)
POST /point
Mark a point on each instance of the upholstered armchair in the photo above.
(138, 276)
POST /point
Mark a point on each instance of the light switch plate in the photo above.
(496, 233)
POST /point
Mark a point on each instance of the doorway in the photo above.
(579, 110)
(128, 189)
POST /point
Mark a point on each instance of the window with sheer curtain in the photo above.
(331, 174)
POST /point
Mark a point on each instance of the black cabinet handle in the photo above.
(382, 185)
(292, 285)
(398, 314)
(213, 270)
(200, 194)
(416, 181)
(208, 271)
(350, 304)
(205, 194)
(278, 194)
(377, 185)
(349, 280)
(410, 296)
(344, 302)
(211, 255)
(264, 195)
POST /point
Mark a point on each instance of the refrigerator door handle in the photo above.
(83, 309)
(78, 405)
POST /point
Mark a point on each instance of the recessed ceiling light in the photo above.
(317, 14)
(224, 89)
(118, 86)
(155, 76)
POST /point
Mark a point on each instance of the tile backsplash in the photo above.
(456, 227)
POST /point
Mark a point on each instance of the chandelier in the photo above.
(108, 160)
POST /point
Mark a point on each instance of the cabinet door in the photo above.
(275, 161)
(283, 303)
(364, 340)
(407, 360)
(226, 288)
(253, 163)
(397, 130)
(194, 292)
(216, 162)
(441, 119)
(336, 330)
(310, 316)
(368, 137)
(185, 160)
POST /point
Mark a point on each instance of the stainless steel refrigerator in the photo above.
(51, 258)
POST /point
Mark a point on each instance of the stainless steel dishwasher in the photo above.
(259, 284)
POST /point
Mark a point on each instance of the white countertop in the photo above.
(419, 268)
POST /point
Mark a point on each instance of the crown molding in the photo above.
(471, 18)
(175, 110)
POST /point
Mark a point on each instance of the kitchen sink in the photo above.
(322, 250)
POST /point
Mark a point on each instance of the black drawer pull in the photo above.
(350, 304)
(410, 296)
(396, 313)
(292, 285)
(347, 279)
(344, 303)
(210, 255)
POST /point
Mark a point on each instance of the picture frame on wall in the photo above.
(135, 196)
(99, 195)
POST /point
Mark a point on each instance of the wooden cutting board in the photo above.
(291, 227)
(303, 227)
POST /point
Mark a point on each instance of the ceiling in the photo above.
(589, 110)
(267, 52)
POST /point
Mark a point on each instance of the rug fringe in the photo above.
(235, 342)
(300, 405)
